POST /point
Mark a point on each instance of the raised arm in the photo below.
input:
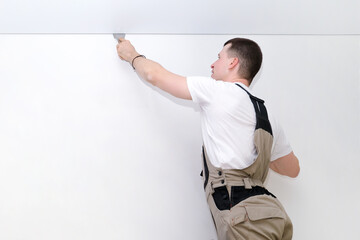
(153, 72)
(287, 165)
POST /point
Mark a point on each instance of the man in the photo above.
(239, 140)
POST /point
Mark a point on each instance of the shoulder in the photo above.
(203, 89)
(196, 81)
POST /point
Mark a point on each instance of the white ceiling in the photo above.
(181, 16)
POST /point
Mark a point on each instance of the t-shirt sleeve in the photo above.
(201, 89)
(281, 146)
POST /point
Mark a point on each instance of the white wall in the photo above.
(89, 151)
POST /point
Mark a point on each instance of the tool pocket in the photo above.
(239, 215)
(252, 222)
(259, 213)
(256, 214)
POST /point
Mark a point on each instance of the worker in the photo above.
(241, 140)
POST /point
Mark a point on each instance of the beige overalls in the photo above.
(240, 205)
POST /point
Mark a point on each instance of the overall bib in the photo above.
(240, 205)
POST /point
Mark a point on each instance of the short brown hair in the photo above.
(249, 54)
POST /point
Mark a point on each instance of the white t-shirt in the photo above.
(228, 123)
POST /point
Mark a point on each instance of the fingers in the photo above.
(125, 49)
(121, 40)
(120, 50)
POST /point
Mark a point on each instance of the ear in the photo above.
(234, 62)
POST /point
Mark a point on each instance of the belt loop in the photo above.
(247, 183)
(211, 188)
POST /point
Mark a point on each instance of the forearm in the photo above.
(147, 69)
(153, 72)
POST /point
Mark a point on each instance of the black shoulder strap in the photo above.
(262, 120)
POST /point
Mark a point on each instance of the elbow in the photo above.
(152, 74)
(295, 173)
(151, 77)
(295, 170)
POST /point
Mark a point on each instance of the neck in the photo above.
(242, 80)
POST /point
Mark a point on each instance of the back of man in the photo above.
(229, 122)
(239, 140)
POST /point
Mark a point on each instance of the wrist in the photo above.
(133, 60)
(132, 56)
